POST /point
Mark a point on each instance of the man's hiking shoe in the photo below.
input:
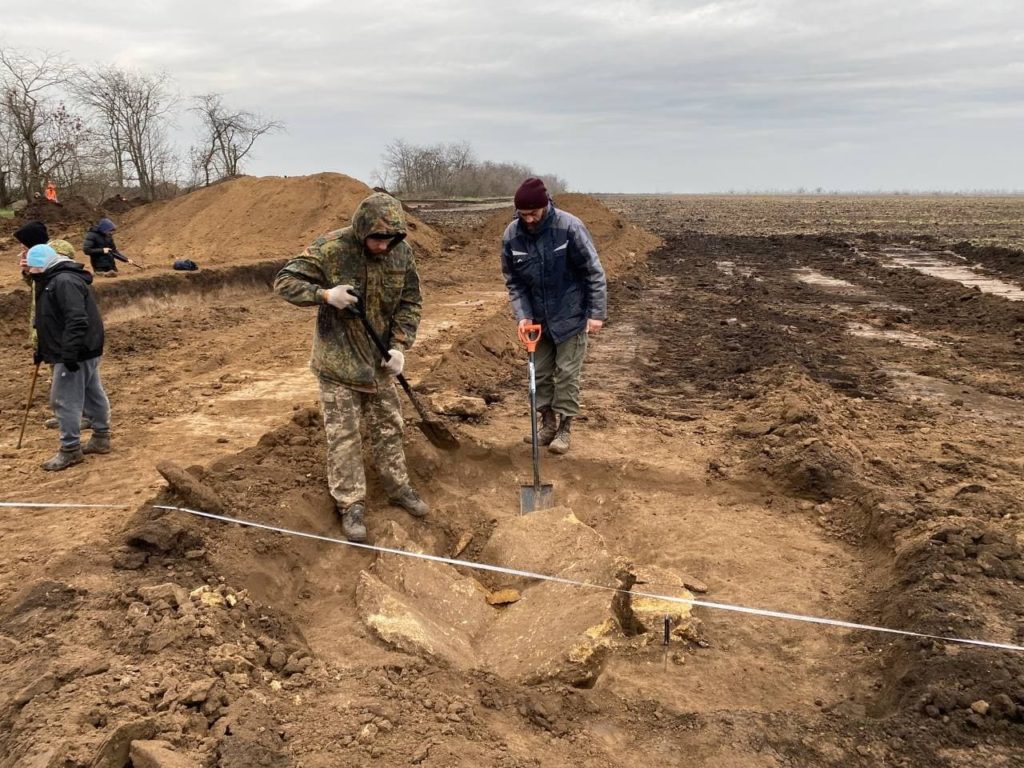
(546, 429)
(98, 443)
(411, 502)
(352, 524)
(63, 459)
(562, 439)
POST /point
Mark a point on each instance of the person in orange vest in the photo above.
(51, 191)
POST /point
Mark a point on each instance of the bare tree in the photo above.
(10, 159)
(134, 109)
(452, 169)
(227, 139)
(27, 86)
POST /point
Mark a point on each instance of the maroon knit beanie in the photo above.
(531, 195)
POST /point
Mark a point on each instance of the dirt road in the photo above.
(792, 421)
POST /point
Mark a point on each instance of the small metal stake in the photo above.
(667, 636)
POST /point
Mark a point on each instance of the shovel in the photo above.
(433, 428)
(534, 497)
(135, 264)
(28, 405)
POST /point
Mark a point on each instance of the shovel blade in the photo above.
(439, 435)
(534, 499)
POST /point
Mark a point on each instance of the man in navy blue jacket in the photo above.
(555, 278)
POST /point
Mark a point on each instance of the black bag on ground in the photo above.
(185, 265)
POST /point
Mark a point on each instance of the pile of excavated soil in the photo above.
(72, 213)
(117, 205)
(251, 219)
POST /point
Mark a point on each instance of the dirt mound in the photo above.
(490, 355)
(117, 205)
(71, 212)
(250, 219)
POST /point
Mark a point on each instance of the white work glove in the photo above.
(340, 296)
(395, 362)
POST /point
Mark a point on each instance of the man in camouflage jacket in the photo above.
(367, 267)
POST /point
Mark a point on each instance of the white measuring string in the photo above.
(786, 616)
(40, 505)
(588, 585)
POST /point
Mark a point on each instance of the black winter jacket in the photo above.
(67, 319)
(95, 242)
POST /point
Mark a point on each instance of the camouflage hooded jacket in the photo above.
(388, 283)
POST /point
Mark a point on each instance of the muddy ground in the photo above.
(780, 413)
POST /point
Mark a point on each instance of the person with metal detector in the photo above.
(362, 276)
(555, 279)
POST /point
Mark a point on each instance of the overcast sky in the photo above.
(650, 96)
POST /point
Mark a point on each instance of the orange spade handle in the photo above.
(530, 335)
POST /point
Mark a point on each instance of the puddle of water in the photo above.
(940, 264)
(974, 403)
(468, 207)
(821, 280)
(900, 337)
(888, 305)
(730, 268)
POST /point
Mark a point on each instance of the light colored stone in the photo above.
(158, 754)
(504, 597)
(650, 612)
(199, 690)
(463, 406)
(551, 542)
(172, 593)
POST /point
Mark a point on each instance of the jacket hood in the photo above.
(33, 233)
(62, 266)
(379, 212)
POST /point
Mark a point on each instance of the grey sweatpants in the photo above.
(558, 373)
(75, 394)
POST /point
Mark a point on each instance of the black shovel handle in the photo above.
(358, 309)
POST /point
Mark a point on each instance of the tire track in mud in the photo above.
(823, 416)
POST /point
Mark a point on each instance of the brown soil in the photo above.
(744, 427)
(250, 219)
(73, 213)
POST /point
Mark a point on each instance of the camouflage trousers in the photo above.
(345, 411)
(558, 373)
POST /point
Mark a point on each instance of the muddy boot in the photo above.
(562, 437)
(63, 459)
(411, 502)
(352, 522)
(546, 429)
(98, 443)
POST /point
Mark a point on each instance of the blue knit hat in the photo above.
(106, 225)
(41, 256)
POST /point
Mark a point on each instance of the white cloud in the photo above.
(611, 95)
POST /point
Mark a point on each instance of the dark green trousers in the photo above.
(558, 373)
